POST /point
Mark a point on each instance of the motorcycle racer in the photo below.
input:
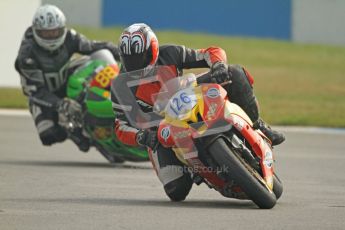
(46, 47)
(139, 49)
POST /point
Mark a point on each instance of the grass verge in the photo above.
(12, 98)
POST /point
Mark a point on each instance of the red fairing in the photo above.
(213, 54)
(255, 140)
(165, 136)
(146, 91)
(174, 136)
(214, 97)
(125, 134)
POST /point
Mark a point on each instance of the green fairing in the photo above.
(76, 80)
(99, 107)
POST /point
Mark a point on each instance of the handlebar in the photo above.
(206, 78)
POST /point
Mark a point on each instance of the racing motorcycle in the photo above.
(216, 140)
(212, 137)
(89, 85)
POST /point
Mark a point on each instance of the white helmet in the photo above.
(48, 26)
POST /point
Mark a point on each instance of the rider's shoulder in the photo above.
(28, 34)
(27, 40)
(168, 48)
(26, 57)
(72, 31)
(26, 48)
(171, 51)
(71, 34)
(171, 54)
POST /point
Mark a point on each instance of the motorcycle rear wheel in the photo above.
(237, 171)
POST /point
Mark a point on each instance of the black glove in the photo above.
(147, 138)
(219, 72)
(70, 113)
(69, 106)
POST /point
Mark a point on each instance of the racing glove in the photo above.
(69, 106)
(219, 72)
(69, 113)
(147, 138)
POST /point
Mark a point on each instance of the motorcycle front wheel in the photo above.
(235, 169)
(277, 186)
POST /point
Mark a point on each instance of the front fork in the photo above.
(260, 158)
(241, 148)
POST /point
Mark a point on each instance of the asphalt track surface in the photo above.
(61, 188)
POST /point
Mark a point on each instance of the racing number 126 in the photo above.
(179, 102)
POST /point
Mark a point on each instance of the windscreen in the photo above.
(158, 85)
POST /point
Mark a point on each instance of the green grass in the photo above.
(12, 98)
(296, 84)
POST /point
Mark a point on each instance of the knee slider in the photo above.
(177, 190)
(53, 135)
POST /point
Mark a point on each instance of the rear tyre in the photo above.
(235, 170)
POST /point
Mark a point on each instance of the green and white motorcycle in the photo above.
(89, 84)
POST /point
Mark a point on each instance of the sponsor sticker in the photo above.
(211, 110)
(238, 123)
(165, 133)
(268, 160)
(182, 134)
(190, 155)
(212, 93)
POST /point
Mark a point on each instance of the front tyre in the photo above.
(277, 186)
(235, 170)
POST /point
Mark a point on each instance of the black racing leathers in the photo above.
(42, 81)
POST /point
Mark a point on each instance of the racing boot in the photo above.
(80, 140)
(275, 136)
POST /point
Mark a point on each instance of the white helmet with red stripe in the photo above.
(138, 47)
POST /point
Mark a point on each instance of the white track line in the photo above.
(311, 130)
(295, 129)
(14, 112)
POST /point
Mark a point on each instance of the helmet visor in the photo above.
(51, 34)
(134, 62)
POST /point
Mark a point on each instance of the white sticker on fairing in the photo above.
(190, 155)
(212, 93)
(165, 133)
(238, 123)
(211, 110)
(268, 160)
(181, 103)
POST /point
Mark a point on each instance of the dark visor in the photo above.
(50, 34)
(134, 62)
